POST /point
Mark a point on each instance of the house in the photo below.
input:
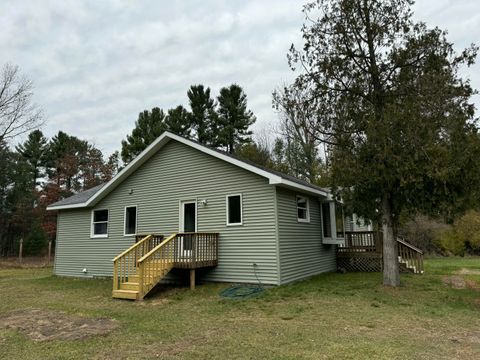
(355, 223)
(196, 208)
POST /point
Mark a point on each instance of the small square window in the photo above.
(100, 223)
(303, 209)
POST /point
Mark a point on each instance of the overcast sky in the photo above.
(97, 64)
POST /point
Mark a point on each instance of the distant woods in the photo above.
(38, 172)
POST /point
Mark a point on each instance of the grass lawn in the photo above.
(331, 316)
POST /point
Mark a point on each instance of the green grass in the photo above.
(331, 316)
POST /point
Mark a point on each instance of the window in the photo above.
(100, 223)
(130, 220)
(234, 210)
(326, 220)
(303, 213)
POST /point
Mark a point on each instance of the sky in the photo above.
(97, 64)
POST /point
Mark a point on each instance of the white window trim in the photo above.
(181, 218)
(92, 227)
(125, 220)
(307, 220)
(228, 210)
(333, 226)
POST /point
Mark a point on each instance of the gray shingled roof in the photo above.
(85, 195)
(79, 198)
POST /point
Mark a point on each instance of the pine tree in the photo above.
(203, 116)
(392, 108)
(178, 121)
(34, 151)
(149, 126)
(234, 118)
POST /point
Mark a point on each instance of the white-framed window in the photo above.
(326, 220)
(130, 221)
(234, 210)
(339, 220)
(333, 226)
(99, 223)
(303, 209)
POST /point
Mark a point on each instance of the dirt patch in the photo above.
(456, 282)
(459, 282)
(465, 271)
(46, 325)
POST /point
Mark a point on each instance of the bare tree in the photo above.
(18, 113)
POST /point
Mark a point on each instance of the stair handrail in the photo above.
(124, 265)
(156, 248)
(411, 256)
(149, 276)
(407, 244)
(133, 247)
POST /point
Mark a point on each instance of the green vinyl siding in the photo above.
(178, 172)
(302, 253)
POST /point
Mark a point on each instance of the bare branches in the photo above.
(18, 114)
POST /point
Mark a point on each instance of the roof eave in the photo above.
(304, 188)
(164, 139)
(64, 207)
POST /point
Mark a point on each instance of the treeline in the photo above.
(223, 122)
(37, 173)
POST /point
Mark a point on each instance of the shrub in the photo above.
(464, 237)
(452, 243)
(425, 233)
(36, 241)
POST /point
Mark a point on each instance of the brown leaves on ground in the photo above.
(46, 325)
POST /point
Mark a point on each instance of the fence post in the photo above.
(49, 251)
(20, 251)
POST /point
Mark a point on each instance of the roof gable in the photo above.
(93, 196)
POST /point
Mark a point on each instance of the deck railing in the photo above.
(182, 250)
(362, 241)
(196, 249)
(370, 244)
(125, 264)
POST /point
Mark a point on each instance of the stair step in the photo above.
(129, 286)
(125, 294)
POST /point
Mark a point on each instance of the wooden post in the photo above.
(20, 252)
(192, 279)
(49, 251)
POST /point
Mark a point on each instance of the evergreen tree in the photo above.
(178, 121)
(203, 116)
(34, 152)
(64, 157)
(393, 108)
(149, 126)
(234, 118)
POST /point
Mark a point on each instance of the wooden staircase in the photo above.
(137, 270)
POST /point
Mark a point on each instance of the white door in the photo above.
(188, 224)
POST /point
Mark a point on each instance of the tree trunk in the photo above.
(391, 271)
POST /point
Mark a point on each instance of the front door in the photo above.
(188, 224)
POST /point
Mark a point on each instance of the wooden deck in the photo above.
(138, 269)
(363, 251)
